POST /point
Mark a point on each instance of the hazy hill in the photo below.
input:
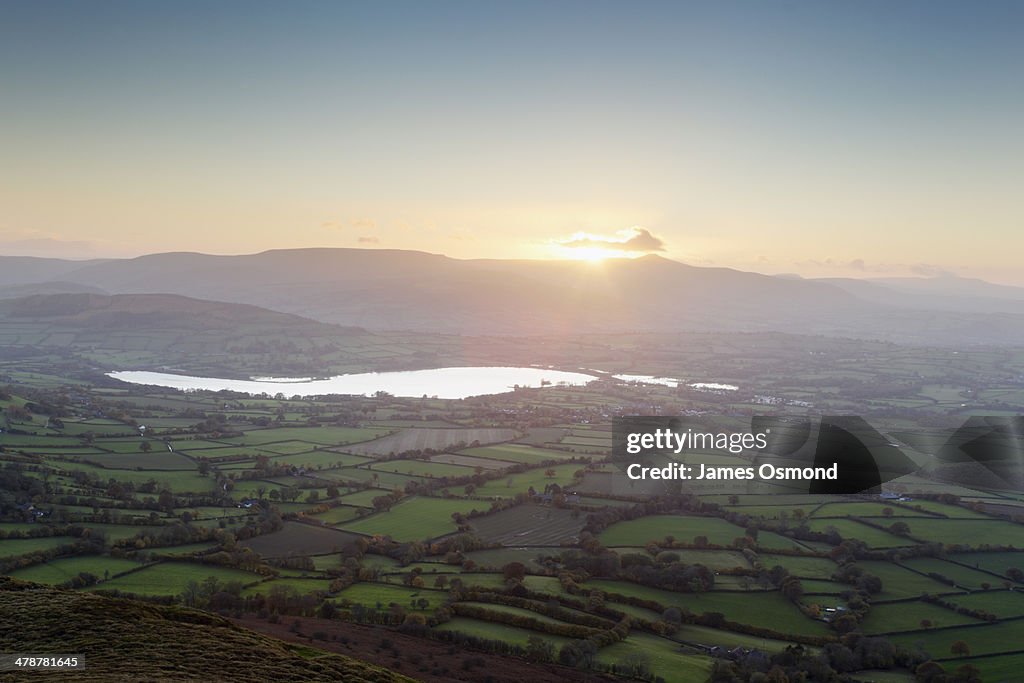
(389, 289)
(382, 289)
(176, 332)
(20, 270)
(51, 287)
(151, 311)
(123, 640)
(944, 293)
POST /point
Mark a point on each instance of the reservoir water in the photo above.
(439, 382)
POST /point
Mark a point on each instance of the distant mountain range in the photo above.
(382, 289)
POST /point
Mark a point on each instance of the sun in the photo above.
(590, 254)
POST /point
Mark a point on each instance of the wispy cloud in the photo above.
(635, 239)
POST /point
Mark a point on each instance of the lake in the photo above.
(438, 382)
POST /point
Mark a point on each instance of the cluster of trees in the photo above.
(829, 665)
(83, 545)
(959, 609)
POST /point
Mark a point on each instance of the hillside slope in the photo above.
(123, 640)
(397, 290)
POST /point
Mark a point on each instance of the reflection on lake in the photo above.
(648, 379)
(713, 386)
(439, 382)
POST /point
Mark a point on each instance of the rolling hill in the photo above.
(382, 289)
(124, 640)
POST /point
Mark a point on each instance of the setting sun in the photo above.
(591, 254)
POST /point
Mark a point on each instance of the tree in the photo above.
(145, 447)
(960, 648)
(929, 672)
(899, 528)
(539, 649)
(967, 673)
(514, 570)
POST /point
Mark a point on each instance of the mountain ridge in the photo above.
(405, 290)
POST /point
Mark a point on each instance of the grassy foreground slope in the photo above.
(122, 640)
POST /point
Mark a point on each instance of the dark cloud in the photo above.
(641, 240)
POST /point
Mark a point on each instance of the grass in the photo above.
(809, 567)
(660, 655)
(302, 586)
(362, 498)
(849, 529)
(1003, 604)
(162, 643)
(995, 638)
(971, 532)
(508, 487)
(703, 635)
(518, 611)
(12, 547)
(423, 468)
(338, 514)
(964, 576)
(513, 635)
(517, 453)
(863, 509)
(323, 436)
(904, 616)
(898, 582)
(415, 518)
(767, 609)
(58, 571)
(171, 578)
(684, 529)
(381, 595)
(997, 563)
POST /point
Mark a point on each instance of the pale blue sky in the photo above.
(779, 136)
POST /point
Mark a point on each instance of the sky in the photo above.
(822, 138)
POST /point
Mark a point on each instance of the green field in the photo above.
(302, 586)
(971, 532)
(1004, 604)
(804, 567)
(171, 578)
(898, 582)
(989, 639)
(59, 571)
(998, 563)
(380, 596)
(509, 486)
(848, 528)
(11, 547)
(684, 529)
(517, 453)
(767, 610)
(492, 631)
(905, 616)
(423, 468)
(659, 655)
(415, 518)
(963, 576)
